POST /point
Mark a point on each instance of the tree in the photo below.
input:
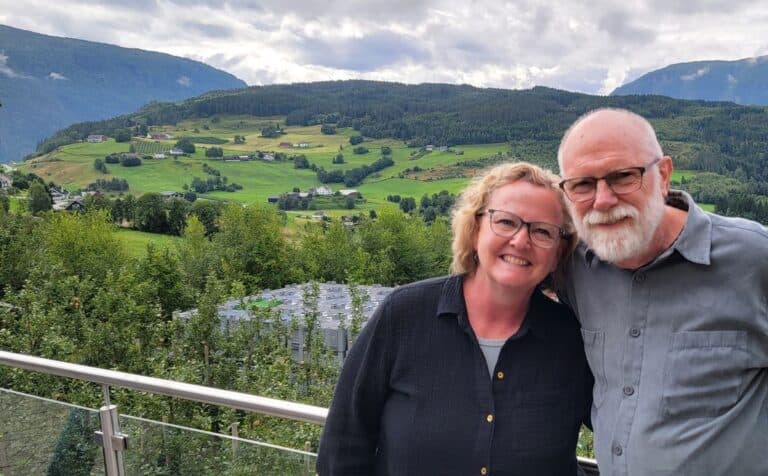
(123, 135)
(360, 150)
(239, 139)
(150, 213)
(300, 162)
(185, 145)
(178, 208)
(5, 202)
(271, 131)
(339, 159)
(328, 129)
(386, 150)
(214, 152)
(39, 198)
(408, 204)
(99, 165)
(354, 140)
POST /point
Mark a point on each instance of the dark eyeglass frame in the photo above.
(610, 180)
(557, 232)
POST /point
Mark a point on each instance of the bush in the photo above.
(360, 150)
(328, 129)
(130, 161)
(214, 152)
(112, 159)
(185, 145)
(354, 140)
(123, 135)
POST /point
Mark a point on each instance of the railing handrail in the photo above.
(171, 388)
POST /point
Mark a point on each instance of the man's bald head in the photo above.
(610, 127)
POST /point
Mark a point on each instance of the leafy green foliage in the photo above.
(39, 198)
(185, 145)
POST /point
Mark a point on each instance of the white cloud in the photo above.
(699, 73)
(184, 81)
(5, 69)
(57, 76)
(511, 44)
(732, 81)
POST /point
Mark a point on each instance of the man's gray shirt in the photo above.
(679, 351)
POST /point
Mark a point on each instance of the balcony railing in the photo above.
(117, 434)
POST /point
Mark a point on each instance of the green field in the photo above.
(72, 165)
(136, 241)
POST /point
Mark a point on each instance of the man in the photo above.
(673, 303)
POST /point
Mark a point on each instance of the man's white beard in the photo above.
(629, 241)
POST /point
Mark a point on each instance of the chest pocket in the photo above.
(704, 373)
(594, 348)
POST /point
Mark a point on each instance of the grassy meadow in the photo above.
(72, 165)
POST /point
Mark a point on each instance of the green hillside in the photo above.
(723, 139)
(49, 83)
(72, 165)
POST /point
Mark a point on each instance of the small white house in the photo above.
(96, 138)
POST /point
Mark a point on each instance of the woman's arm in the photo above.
(350, 437)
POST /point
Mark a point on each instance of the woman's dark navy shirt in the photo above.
(415, 398)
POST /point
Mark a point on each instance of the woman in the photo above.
(478, 372)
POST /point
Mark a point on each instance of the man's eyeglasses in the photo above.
(507, 224)
(583, 189)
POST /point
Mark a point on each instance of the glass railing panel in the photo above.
(39, 436)
(157, 448)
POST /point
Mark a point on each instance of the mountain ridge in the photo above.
(48, 82)
(741, 81)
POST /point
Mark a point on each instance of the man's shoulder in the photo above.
(738, 228)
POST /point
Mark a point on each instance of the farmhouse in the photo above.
(322, 191)
(286, 145)
(95, 138)
(169, 195)
(429, 148)
(349, 193)
(73, 205)
(159, 136)
(176, 152)
(159, 155)
(268, 157)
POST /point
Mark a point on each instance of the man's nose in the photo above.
(605, 198)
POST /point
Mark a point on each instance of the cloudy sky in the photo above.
(488, 43)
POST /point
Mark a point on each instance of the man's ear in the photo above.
(665, 170)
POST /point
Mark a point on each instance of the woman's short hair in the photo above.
(473, 198)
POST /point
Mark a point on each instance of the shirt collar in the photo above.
(452, 304)
(693, 243)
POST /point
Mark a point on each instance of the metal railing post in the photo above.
(112, 441)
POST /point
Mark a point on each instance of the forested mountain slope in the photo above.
(47, 83)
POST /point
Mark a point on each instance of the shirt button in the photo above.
(640, 277)
(617, 450)
(634, 332)
(489, 418)
(500, 375)
(628, 390)
(483, 470)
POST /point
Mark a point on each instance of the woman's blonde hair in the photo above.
(473, 199)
